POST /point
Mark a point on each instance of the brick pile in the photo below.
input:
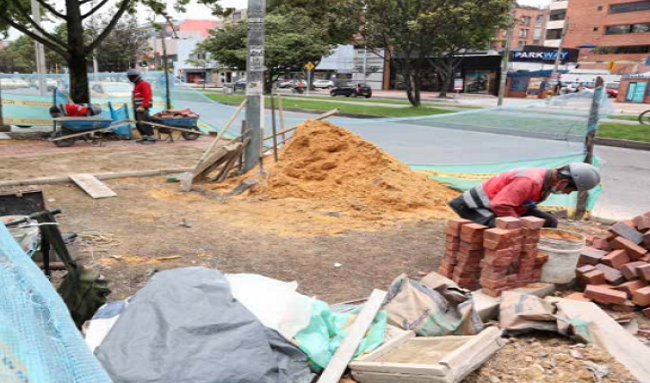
(497, 259)
(171, 114)
(614, 269)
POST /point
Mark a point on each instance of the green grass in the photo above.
(625, 118)
(624, 131)
(315, 105)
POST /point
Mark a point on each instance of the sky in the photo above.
(196, 11)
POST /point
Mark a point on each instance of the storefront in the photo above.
(634, 89)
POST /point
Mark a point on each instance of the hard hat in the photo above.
(132, 72)
(585, 177)
(95, 109)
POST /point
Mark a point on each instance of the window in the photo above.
(554, 34)
(595, 29)
(539, 21)
(523, 33)
(630, 7)
(599, 8)
(632, 49)
(525, 20)
(557, 14)
(521, 44)
(629, 28)
(537, 33)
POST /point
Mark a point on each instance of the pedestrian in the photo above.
(517, 192)
(142, 101)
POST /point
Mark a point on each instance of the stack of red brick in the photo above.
(615, 269)
(498, 259)
(183, 113)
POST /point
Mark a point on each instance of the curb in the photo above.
(626, 144)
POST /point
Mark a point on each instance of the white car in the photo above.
(324, 84)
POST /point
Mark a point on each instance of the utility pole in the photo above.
(40, 52)
(505, 61)
(555, 78)
(254, 83)
(3, 127)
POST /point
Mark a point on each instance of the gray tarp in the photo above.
(185, 326)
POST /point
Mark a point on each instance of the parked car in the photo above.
(350, 89)
(240, 84)
(323, 84)
(286, 83)
(612, 89)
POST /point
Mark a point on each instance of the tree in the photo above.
(417, 32)
(201, 60)
(297, 32)
(122, 48)
(74, 48)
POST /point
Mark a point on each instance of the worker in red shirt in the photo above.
(75, 110)
(516, 193)
(142, 102)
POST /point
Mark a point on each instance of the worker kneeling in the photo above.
(517, 192)
(75, 110)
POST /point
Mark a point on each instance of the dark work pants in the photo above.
(145, 130)
(459, 206)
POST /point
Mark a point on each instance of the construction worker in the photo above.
(517, 192)
(142, 101)
(75, 110)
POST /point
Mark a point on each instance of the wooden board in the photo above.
(91, 185)
(345, 352)
(610, 336)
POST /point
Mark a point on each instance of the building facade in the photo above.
(529, 28)
(557, 16)
(612, 34)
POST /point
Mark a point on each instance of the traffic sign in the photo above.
(310, 66)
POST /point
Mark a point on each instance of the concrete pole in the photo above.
(505, 61)
(3, 127)
(254, 83)
(558, 58)
(40, 52)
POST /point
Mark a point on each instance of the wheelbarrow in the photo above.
(66, 130)
(188, 126)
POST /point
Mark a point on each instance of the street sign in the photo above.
(310, 66)
(458, 84)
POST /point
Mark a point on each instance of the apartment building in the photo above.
(529, 28)
(557, 15)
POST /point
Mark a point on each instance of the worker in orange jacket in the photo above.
(142, 102)
(516, 193)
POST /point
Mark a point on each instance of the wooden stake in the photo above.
(275, 133)
(281, 111)
(317, 118)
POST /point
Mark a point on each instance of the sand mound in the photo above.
(329, 164)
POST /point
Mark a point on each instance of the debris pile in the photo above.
(183, 113)
(497, 259)
(615, 269)
(327, 163)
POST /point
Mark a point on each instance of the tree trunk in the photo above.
(79, 91)
(446, 81)
(412, 89)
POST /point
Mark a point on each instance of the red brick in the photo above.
(501, 253)
(633, 251)
(629, 270)
(628, 232)
(452, 232)
(491, 293)
(492, 245)
(630, 287)
(577, 297)
(646, 312)
(646, 239)
(612, 275)
(626, 307)
(472, 254)
(532, 223)
(600, 243)
(645, 258)
(642, 222)
(473, 228)
(616, 259)
(594, 277)
(452, 246)
(589, 239)
(497, 235)
(507, 223)
(497, 261)
(605, 295)
(493, 283)
(590, 256)
(445, 270)
(584, 269)
(643, 272)
(452, 239)
(642, 296)
(457, 223)
(465, 246)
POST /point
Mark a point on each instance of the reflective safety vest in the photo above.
(507, 193)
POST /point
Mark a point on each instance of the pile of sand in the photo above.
(328, 164)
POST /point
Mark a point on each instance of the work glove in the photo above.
(530, 204)
(140, 109)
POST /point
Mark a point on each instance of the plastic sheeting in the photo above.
(38, 340)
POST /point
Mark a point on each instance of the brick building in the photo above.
(612, 34)
(556, 21)
(529, 28)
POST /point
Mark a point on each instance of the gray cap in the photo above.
(132, 72)
(585, 176)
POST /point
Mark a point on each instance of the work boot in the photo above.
(147, 140)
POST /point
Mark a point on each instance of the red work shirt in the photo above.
(142, 94)
(74, 110)
(509, 190)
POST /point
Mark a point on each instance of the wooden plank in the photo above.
(345, 352)
(473, 354)
(91, 185)
(394, 337)
(159, 126)
(384, 377)
(100, 176)
(609, 335)
(317, 118)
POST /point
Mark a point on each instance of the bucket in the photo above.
(563, 249)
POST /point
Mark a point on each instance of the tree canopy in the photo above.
(420, 33)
